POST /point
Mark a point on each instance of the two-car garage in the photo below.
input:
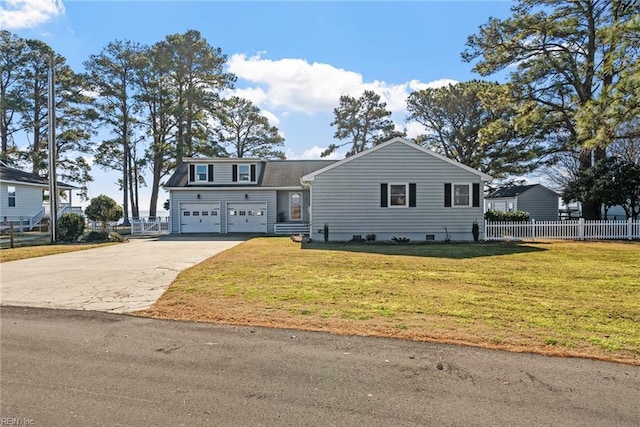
(207, 217)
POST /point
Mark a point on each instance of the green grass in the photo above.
(568, 298)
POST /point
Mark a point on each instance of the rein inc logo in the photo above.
(11, 421)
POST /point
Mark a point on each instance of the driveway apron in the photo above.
(119, 278)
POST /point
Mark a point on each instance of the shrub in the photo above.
(513, 216)
(103, 209)
(70, 227)
(104, 236)
(401, 239)
(475, 230)
(96, 236)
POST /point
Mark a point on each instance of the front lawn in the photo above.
(14, 254)
(564, 298)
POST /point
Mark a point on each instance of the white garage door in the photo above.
(249, 217)
(200, 217)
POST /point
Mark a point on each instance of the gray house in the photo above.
(396, 189)
(540, 202)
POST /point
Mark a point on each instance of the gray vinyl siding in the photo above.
(283, 204)
(206, 195)
(347, 198)
(541, 203)
(223, 172)
(28, 200)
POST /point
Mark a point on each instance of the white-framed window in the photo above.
(398, 195)
(461, 194)
(244, 173)
(201, 173)
(11, 196)
(295, 206)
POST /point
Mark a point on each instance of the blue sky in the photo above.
(293, 59)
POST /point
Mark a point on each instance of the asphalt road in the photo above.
(68, 368)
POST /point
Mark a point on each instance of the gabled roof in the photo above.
(515, 190)
(17, 176)
(275, 173)
(397, 140)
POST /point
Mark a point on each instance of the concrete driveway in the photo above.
(118, 278)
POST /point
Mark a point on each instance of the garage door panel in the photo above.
(247, 217)
(200, 218)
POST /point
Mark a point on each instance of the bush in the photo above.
(475, 230)
(104, 236)
(96, 236)
(513, 216)
(103, 209)
(70, 227)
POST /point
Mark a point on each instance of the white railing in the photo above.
(288, 229)
(158, 225)
(568, 230)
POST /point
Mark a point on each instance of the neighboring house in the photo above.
(541, 203)
(22, 196)
(396, 189)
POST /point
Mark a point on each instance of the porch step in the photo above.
(289, 229)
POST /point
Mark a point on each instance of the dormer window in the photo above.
(244, 173)
(200, 173)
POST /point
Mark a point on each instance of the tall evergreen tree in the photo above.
(196, 75)
(470, 123)
(242, 128)
(112, 76)
(362, 123)
(13, 57)
(572, 60)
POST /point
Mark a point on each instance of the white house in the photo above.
(23, 194)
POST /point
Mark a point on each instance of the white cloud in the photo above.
(415, 129)
(314, 153)
(273, 119)
(293, 84)
(18, 14)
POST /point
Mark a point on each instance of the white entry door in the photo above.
(200, 217)
(247, 217)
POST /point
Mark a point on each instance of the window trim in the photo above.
(11, 196)
(469, 185)
(406, 195)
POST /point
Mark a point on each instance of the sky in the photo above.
(293, 59)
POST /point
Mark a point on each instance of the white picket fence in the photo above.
(158, 225)
(567, 230)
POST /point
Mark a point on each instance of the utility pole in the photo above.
(53, 185)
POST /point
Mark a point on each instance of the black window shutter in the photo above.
(476, 195)
(253, 173)
(412, 195)
(234, 173)
(447, 195)
(192, 173)
(210, 173)
(383, 196)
